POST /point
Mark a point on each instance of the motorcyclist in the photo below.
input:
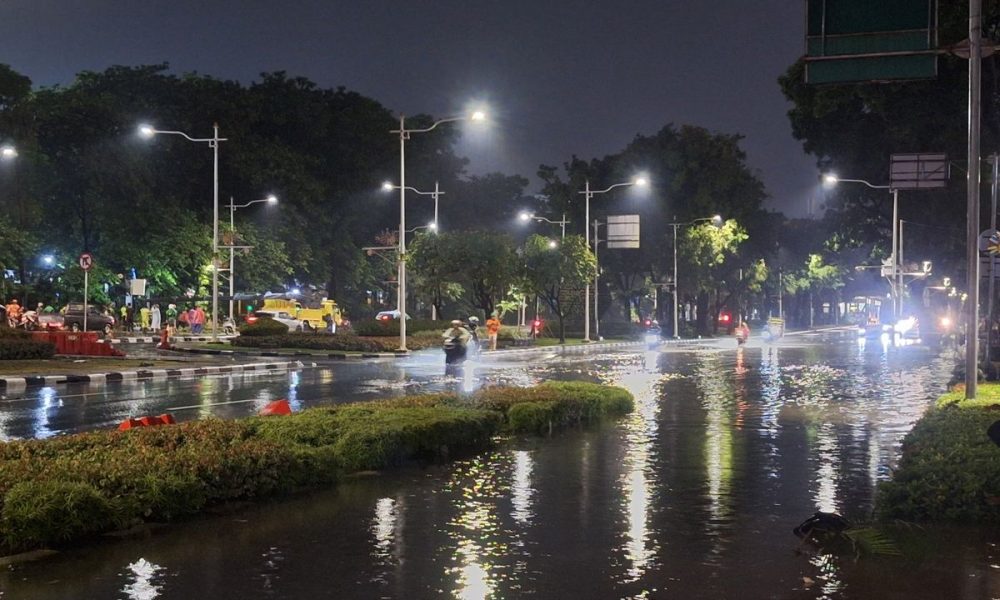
(472, 326)
(456, 338)
(742, 333)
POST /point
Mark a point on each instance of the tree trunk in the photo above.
(702, 305)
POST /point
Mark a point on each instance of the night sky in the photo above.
(561, 77)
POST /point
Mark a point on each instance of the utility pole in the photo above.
(972, 201)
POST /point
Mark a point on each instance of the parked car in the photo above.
(282, 317)
(96, 321)
(388, 315)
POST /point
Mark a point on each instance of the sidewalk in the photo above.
(9, 383)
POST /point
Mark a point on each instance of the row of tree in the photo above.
(85, 181)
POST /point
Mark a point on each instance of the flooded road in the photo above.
(694, 495)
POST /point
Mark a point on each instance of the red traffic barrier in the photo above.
(278, 407)
(164, 419)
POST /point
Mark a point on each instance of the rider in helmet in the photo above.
(472, 326)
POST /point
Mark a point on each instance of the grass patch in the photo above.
(339, 342)
(950, 469)
(65, 489)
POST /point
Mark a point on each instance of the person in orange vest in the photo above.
(493, 330)
(13, 312)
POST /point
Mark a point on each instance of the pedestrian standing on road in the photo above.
(193, 319)
(199, 318)
(182, 319)
(144, 318)
(172, 315)
(123, 312)
(493, 330)
(154, 316)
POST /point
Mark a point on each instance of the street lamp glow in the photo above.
(553, 243)
(8, 152)
(272, 199)
(477, 116)
(433, 226)
(387, 186)
(830, 179)
(641, 181)
(296, 291)
(717, 220)
(524, 216)
(146, 131)
(48, 259)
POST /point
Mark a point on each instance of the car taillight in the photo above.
(251, 320)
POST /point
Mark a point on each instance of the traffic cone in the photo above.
(278, 407)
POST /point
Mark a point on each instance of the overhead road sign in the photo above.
(918, 171)
(861, 40)
(623, 231)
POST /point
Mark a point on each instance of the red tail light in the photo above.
(724, 318)
(251, 319)
(648, 322)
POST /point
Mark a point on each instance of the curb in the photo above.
(38, 380)
(336, 355)
(156, 339)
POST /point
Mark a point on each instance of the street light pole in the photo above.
(597, 275)
(213, 143)
(588, 194)
(232, 246)
(388, 186)
(972, 200)
(404, 134)
(895, 277)
(717, 219)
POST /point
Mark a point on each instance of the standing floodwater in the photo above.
(694, 495)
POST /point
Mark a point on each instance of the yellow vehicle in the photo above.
(312, 318)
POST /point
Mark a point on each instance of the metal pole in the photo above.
(563, 223)
(677, 289)
(597, 274)
(586, 292)
(972, 208)
(401, 301)
(437, 192)
(989, 297)
(215, 233)
(781, 293)
(894, 259)
(86, 293)
(232, 256)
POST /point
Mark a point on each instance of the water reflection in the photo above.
(142, 575)
(521, 490)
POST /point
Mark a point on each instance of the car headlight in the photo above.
(652, 338)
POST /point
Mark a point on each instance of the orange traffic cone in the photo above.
(278, 407)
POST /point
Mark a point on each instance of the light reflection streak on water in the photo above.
(521, 491)
(386, 529)
(716, 399)
(206, 388)
(476, 531)
(825, 494)
(639, 476)
(829, 575)
(770, 400)
(46, 395)
(294, 378)
(142, 572)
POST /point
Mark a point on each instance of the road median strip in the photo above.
(66, 489)
(48, 380)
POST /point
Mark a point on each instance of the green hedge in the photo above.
(62, 489)
(19, 345)
(339, 342)
(263, 327)
(391, 328)
(949, 470)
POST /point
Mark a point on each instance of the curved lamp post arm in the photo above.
(186, 136)
(407, 132)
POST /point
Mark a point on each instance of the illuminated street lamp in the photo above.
(404, 134)
(553, 244)
(147, 131)
(8, 152)
(526, 216)
(714, 220)
(271, 199)
(588, 193)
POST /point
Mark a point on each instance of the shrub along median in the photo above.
(950, 469)
(63, 489)
(338, 342)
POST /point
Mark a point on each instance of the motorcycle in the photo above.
(652, 338)
(454, 351)
(228, 326)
